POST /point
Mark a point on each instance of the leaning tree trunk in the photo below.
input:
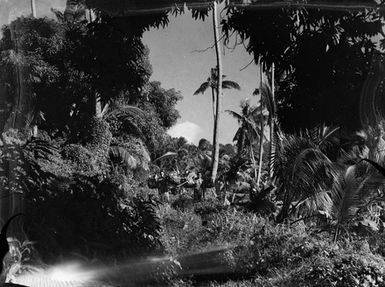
(215, 162)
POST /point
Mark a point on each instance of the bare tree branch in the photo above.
(208, 48)
(247, 65)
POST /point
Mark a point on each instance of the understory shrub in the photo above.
(208, 207)
(294, 256)
(266, 254)
(185, 232)
(343, 267)
(183, 202)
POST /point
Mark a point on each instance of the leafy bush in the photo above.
(183, 202)
(92, 218)
(208, 207)
(98, 137)
(80, 158)
(179, 229)
(184, 233)
(296, 257)
(343, 268)
(274, 255)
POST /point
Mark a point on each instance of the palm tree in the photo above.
(212, 83)
(353, 200)
(358, 187)
(267, 96)
(248, 132)
(304, 169)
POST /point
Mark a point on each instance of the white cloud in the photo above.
(188, 130)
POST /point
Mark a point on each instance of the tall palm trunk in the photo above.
(213, 97)
(262, 131)
(35, 129)
(272, 119)
(218, 98)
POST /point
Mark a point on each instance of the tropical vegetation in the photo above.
(297, 199)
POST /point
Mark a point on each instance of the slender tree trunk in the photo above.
(272, 117)
(213, 97)
(253, 160)
(35, 129)
(262, 132)
(33, 8)
(219, 95)
(98, 107)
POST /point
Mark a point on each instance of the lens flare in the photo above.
(74, 274)
(70, 272)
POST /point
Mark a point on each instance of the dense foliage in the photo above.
(312, 47)
(79, 176)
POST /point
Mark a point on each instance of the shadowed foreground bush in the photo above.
(92, 218)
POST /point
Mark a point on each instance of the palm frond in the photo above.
(345, 195)
(301, 161)
(230, 85)
(253, 132)
(237, 135)
(353, 192)
(321, 134)
(378, 167)
(59, 15)
(235, 115)
(126, 110)
(124, 156)
(167, 155)
(202, 89)
(317, 202)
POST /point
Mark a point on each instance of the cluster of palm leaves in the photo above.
(345, 191)
(314, 177)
